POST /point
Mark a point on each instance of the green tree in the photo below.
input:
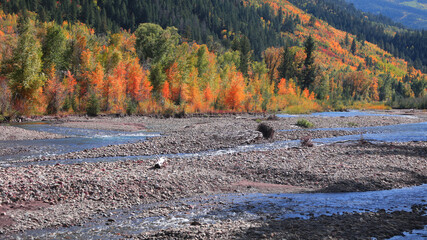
(322, 90)
(353, 46)
(309, 68)
(26, 78)
(385, 90)
(157, 78)
(155, 44)
(53, 49)
(243, 45)
(93, 107)
(202, 60)
(287, 66)
(312, 21)
(346, 40)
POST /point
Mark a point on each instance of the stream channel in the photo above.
(223, 207)
(210, 209)
(75, 139)
(79, 139)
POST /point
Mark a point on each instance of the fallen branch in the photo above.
(161, 163)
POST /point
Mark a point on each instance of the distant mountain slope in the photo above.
(333, 53)
(411, 13)
(410, 45)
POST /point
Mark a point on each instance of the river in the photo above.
(210, 209)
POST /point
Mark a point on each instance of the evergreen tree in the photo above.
(93, 107)
(353, 46)
(26, 78)
(312, 21)
(346, 40)
(53, 49)
(309, 68)
(286, 68)
(243, 45)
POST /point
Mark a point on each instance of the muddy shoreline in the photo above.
(35, 197)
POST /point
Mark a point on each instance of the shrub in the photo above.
(131, 107)
(92, 108)
(306, 142)
(352, 124)
(304, 123)
(407, 103)
(303, 107)
(267, 131)
(168, 112)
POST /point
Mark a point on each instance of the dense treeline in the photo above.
(53, 68)
(205, 21)
(68, 68)
(410, 45)
(199, 20)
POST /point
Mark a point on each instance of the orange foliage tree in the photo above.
(116, 90)
(138, 86)
(272, 58)
(54, 91)
(235, 93)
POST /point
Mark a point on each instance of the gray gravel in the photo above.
(74, 192)
(9, 133)
(33, 197)
(193, 135)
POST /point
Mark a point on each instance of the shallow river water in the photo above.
(214, 208)
(80, 139)
(75, 139)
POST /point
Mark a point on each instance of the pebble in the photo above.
(128, 183)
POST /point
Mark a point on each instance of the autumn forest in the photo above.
(288, 61)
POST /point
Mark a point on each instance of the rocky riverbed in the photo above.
(193, 135)
(11, 133)
(367, 225)
(36, 197)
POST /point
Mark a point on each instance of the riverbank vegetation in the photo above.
(72, 68)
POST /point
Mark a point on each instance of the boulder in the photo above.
(267, 131)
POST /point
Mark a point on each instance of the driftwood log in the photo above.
(161, 163)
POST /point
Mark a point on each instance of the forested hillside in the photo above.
(339, 55)
(201, 21)
(259, 56)
(204, 21)
(410, 45)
